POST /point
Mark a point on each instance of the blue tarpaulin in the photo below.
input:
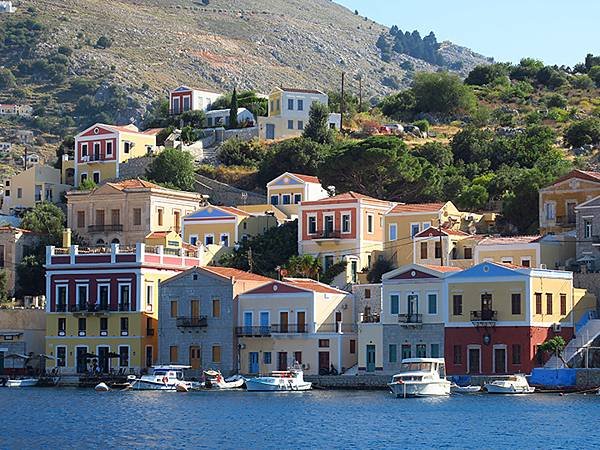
(553, 378)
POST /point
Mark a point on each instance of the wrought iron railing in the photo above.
(410, 318)
(486, 315)
(192, 322)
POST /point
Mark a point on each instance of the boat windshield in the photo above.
(416, 367)
(160, 372)
(179, 375)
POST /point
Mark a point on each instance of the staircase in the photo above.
(586, 330)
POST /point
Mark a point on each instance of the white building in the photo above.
(220, 117)
(6, 7)
(185, 98)
(5, 147)
(289, 113)
(15, 110)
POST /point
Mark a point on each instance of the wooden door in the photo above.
(283, 322)
(253, 362)
(499, 360)
(370, 358)
(474, 360)
(195, 309)
(301, 321)
(115, 217)
(486, 307)
(282, 361)
(99, 217)
(323, 361)
(195, 359)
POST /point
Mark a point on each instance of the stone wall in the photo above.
(424, 334)
(368, 301)
(589, 281)
(134, 167)
(224, 194)
(363, 382)
(588, 378)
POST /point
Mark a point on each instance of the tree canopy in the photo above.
(175, 167)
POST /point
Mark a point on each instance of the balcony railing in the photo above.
(61, 308)
(192, 322)
(123, 306)
(249, 331)
(327, 234)
(484, 316)
(89, 307)
(105, 228)
(410, 318)
(289, 328)
(566, 221)
(337, 328)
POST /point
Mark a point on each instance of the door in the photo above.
(328, 225)
(474, 360)
(283, 322)
(195, 308)
(99, 217)
(115, 217)
(354, 265)
(81, 360)
(176, 109)
(282, 361)
(301, 321)
(264, 322)
(324, 361)
(195, 357)
(103, 360)
(412, 307)
(571, 212)
(253, 362)
(499, 360)
(186, 103)
(149, 356)
(270, 131)
(248, 322)
(370, 358)
(486, 307)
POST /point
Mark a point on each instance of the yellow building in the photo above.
(37, 184)
(289, 189)
(127, 211)
(101, 149)
(296, 320)
(558, 201)
(102, 304)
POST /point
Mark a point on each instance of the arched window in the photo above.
(100, 242)
(115, 241)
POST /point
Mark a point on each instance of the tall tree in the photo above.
(233, 122)
(47, 220)
(317, 128)
(175, 167)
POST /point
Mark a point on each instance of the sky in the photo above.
(555, 31)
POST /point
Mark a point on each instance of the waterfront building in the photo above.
(557, 202)
(185, 98)
(198, 315)
(588, 234)
(103, 302)
(296, 320)
(37, 184)
(288, 113)
(101, 149)
(411, 323)
(220, 118)
(288, 190)
(15, 244)
(498, 314)
(125, 212)
(22, 333)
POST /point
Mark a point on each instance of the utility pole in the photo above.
(250, 261)
(342, 105)
(360, 93)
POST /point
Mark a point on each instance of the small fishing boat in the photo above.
(23, 382)
(102, 387)
(162, 378)
(280, 381)
(456, 389)
(421, 377)
(214, 380)
(515, 384)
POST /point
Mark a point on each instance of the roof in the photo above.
(234, 210)
(302, 91)
(509, 240)
(134, 183)
(436, 232)
(158, 234)
(152, 131)
(228, 272)
(313, 285)
(585, 175)
(417, 207)
(224, 111)
(346, 196)
(306, 178)
(11, 229)
(442, 268)
(294, 286)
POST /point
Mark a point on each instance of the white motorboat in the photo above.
(280, 381)
(102, 387)
(515, 384)
(214, 380)
(24, 382)
(421, 377)
(162, 378)
(456, 389)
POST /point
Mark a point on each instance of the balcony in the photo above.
(249, 331)
(291, 328)
(337, 328)
(88, 308)
(567, 221)
(192, 322)
(410, 319)
(326, 235)
(123, 306)
(484, 316)
(105, 228)
(61, 308)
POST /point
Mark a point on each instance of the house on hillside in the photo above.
(15, 110)
(220, 117)
(5, 148)
(288, 110)
(288, 190)
(7, 7)
(185, 98)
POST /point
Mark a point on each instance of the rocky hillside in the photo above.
(223, 43)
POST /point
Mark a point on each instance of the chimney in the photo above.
(66, 238)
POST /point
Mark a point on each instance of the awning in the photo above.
(16, 355)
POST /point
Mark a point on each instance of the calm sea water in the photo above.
(77, 419)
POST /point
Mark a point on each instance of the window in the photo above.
(7, 193)
(19, 193)
(538, 303)
(274, 199)
(370, 223)
(393, 232)
(394, 304)
(457, 305)
(286, 199)
(301, 125)
(216, 307)
(160, 217)
(414, 229)
(432, 303)
(61, 356)
(421, 350)
(297, 198)
(345, 223)
(438, 250)
(62, 326)
(525, 262)
(267, 357)
(96, 177)
(109, 148)
(352, 346)
(61, 298)
(393, 357)
(216, 353)
(81, 326)
(80, 219)
(516, 304)
(103, 295)
(550, 209)
(312, 225)
(173, 354)
(563, 304)
(81, 295)
(435, 350)
(328, 223)
(298, 357)
(174, 308)
(83, 177)
(327, 262)
(103, 325)
(549, 304)
(124, 297)
(424, 246)
(457, 354)
(209, 239)
(124, 326)
(367, 293)
(149, 296)
(468, 253)
(426, 225)
(291, 104)
(516, 354)
(323, 343)
(84, 149)
(137, 216)
(290, 124)
(193, 239)
(224, 239)
(406, 351)
(587, 228)
(300, 105)
(127, 147)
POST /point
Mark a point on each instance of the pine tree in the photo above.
(233, 122)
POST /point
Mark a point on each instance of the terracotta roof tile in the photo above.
(134, 183)
(350, 195)
(417, 207)
(313, 285)
(585, 175)
(509, 240)
(304, 91)
(229, 272)
(233, 210)
(307, 178)
(443, 268)
(435, 232)
(158, 234)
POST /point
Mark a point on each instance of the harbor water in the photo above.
(82, 418)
